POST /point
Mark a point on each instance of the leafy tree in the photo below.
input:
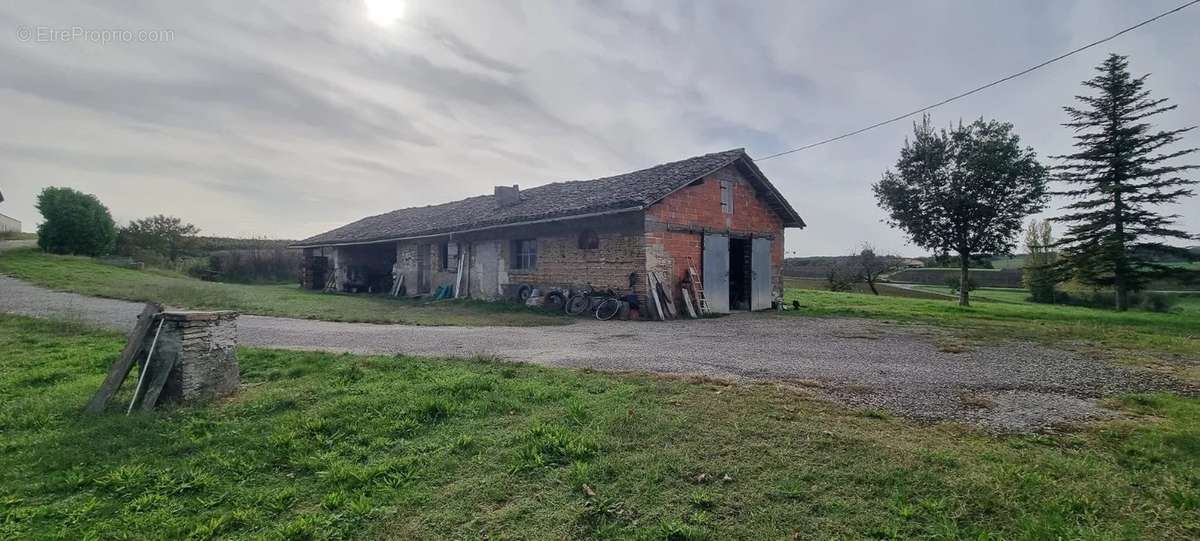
(1039, 275)
(166, 236)
(74, 223)
(963, 191)
(869, 266)
(1120, 170)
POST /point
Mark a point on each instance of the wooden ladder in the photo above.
(697, 286)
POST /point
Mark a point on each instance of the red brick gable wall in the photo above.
(674, 225)
(700, 205)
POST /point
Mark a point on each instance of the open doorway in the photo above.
(739, 274)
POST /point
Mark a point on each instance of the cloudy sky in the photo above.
(287, 118)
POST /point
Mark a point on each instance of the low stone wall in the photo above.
(204, 348)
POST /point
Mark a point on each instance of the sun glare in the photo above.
(384, 12)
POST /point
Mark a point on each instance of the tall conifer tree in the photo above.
(1120, 172)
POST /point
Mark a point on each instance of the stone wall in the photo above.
(561, 262)
(314, 266)
(204, 348)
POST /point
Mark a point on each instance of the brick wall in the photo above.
(699, 205)
(675, 225)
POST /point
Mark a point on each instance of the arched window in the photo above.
(588, 240)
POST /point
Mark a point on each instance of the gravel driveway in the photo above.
(908, 370)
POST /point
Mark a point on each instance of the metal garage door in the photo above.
(760, 276)
(716, 273)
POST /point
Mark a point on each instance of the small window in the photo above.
(524, 254)
(727, 196)
(588, 240)
(448, 255)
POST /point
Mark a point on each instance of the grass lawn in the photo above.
(884, 289)
(339, 446)
(1188, 303)
(86, 276)
(1000, 294)
(1143, 338)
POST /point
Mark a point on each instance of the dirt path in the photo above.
(1014, 386)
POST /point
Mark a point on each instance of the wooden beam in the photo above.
(667, 300)
(161, 370)
(120, 369)
(652, 296)
(458, 279)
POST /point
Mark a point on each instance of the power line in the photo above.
(984, 87)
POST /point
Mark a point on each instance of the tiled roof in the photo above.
(557, 200)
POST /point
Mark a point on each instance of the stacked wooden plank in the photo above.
(120, 369)
(662, 299)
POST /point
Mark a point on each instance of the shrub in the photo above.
(841, 277)
(74, 223)
(1041, 291)
(269, 264)
(1039, 276)
(1151, 302)
(162, 237)
(1159, 302)
(953, 281)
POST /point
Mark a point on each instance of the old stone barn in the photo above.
(717, 212)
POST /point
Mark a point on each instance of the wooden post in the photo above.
(120, 369)
(458, 279)
(652, 296)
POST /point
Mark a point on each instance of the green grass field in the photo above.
(86, 276)
(791, 282)
(999, 294)
(1143, 338)
(1188, 302)
(321, 446)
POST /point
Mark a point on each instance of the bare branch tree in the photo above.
(869, 266)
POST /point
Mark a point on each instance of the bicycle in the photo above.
(603, 304)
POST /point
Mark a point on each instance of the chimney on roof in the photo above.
(507, 196)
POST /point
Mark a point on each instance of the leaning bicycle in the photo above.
(605, 304)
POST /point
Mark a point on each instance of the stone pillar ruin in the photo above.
(201, 349)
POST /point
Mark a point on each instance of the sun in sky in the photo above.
(384, 12)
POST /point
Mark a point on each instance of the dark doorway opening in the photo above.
(739, 274)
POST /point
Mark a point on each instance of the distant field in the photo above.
(86, 276)
(884, 289)
(938, 276)
(1002, 294)
(1011, 262)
